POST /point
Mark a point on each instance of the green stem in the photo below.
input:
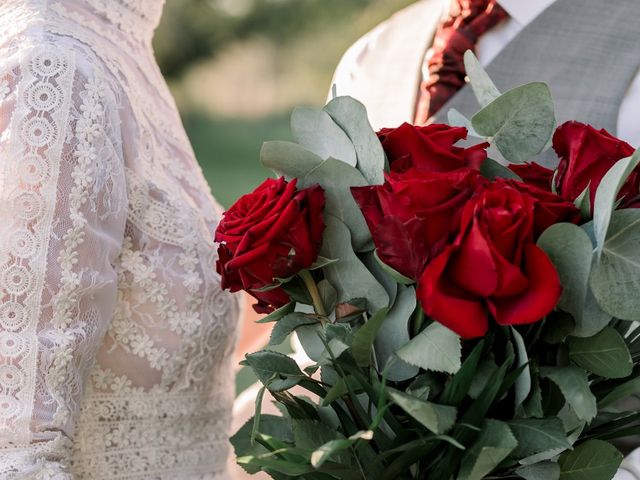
(314, 292)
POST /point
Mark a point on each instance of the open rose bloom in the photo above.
(466, 306)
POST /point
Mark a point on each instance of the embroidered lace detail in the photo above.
(115, 336)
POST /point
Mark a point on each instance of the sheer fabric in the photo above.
(115, 337)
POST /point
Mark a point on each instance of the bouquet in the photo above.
(464, 318)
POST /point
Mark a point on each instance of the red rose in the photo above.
(414, 214)
(586, 155)
(274, 232)
(429, 148)
(548, 209)
(492, 268)
(533, 174)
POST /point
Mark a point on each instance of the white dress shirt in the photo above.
(521, 13)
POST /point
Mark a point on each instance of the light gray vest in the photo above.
(587, 51)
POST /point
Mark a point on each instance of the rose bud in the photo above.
(493, 268)
(586, 155)
(273, 232)
(429, 148)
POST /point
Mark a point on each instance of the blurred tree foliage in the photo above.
(193, 29)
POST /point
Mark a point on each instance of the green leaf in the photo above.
(349, 276)
(523, 383)
(326, 451)
(494, 444)
(266, 364)
(574, 386)
(364, 337)
(278, 314)
(394, 333)
(483, 87)
(571, 251)
(311, 434)
(537, 435)
(615, 276)
(532, 406)
(322, 262)
(521, 121)
(605, 354)
(625, 390)
(338, 390)
(461, 383)
(272, 425)
(607, 195)
(316, 131)
(328, 295)
(258, 413)
(397, 276)
(540, 471)
(436, 348)
(490, 169)
(484, 374)
(436, 418)
(457, 119)
(351, 116)
(583, 202)
(288, 324)
(337, 178)
(592, 460)
(288, 159)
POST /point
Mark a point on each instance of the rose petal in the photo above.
(539, 298)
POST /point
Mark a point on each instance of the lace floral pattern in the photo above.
(115, 336)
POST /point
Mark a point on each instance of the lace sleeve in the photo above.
(62, 216)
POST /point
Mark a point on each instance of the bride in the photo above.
(115, 337)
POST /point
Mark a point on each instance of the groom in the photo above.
(588, 51)
(410, 68)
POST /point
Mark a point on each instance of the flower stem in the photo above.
(314, 292)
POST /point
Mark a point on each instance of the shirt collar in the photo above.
(524, 11)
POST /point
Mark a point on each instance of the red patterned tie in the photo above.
(467, 22)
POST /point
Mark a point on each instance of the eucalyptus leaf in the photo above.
(571, 251)
(436, 418)
(605, 354)
(457, 119)
(482, 85)
(365, 336)
(495, 443)
(573, 384)
(394, 334)
(351, 116)
(337, 178)
(583, 202)
(615, 276)
(350, 277)
(537, 435)
(607, 195)
(593, 460)
(523, 383)
(491, 170)
(436, 348)
(288, 159)
(521, 121)
(328, 295)
(397, 276)
(315, 130)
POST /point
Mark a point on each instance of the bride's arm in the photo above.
(62, 214)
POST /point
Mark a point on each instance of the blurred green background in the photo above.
(238, 67)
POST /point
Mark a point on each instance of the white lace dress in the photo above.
(115, 338)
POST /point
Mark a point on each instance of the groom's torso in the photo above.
(588, 51)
